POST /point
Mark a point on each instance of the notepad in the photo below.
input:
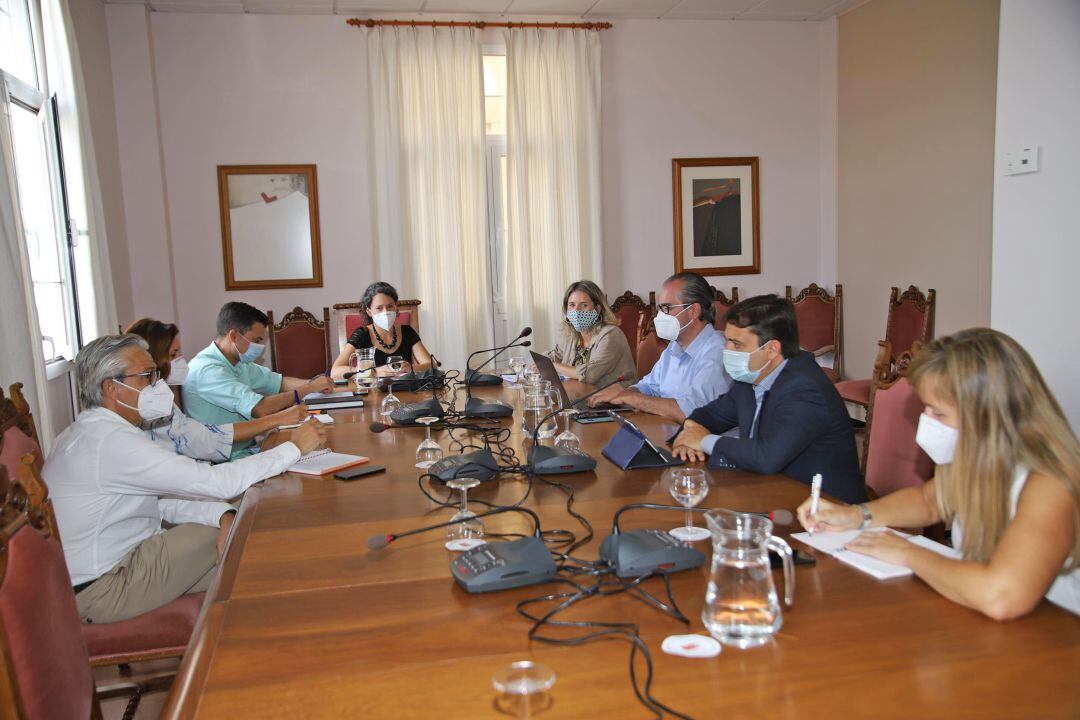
(323, 462)
(832, 542)
(336, 401)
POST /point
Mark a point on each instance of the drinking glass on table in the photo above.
(391, 402)
(517, 364)
(466, 525)
(429, 452)
(568, 439)
(688, 486)
(522, 688)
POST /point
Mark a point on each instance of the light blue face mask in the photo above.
(737, 365)
(254, 352)
(582, 319)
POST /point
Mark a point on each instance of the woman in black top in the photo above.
(380, 304)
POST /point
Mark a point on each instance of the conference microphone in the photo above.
(378, 427)
(494, 408)
(378, 542)
(493, 566)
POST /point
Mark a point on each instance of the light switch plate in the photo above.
(1022, 159)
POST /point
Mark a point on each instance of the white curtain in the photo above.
(553, 164)
(429, 191)
(21, 356)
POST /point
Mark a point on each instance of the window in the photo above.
(495, 127)
(40, 179)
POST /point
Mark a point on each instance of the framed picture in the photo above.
(270, 226)
(716, 215)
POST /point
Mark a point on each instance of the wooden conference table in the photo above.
(304, 621)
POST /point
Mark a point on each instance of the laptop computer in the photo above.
(548, 372)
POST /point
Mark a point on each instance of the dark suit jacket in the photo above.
(803, 429)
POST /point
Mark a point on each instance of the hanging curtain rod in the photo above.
(481, 24)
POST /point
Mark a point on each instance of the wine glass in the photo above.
(517, 365)
(467, 530)
(391, 402)
(523, 688)
(567, 439)
(688, 486)
(428, 452)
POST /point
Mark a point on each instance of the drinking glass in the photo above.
(391, 402)
(466, 525)
(688, 486)
(523, 688)
(567, 438)
(517, 364)
(428, 452)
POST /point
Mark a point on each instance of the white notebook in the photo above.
(832, 542)
(323, 462)
(323, 418)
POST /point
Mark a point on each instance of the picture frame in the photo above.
(270, 226)
(717, 215)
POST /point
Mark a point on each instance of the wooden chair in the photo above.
(45, 668)
(300, 344)
(631, 311)
(910, 320)
(820, 317)
(892, 459)
(649, 346)
(18, 434)
(349, 316)
(723, 303)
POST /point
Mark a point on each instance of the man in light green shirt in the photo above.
(225, 385)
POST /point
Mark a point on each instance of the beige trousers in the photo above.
(179, 561)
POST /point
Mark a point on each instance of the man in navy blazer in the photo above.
(791, 419)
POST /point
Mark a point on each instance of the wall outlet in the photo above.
(1022, 159)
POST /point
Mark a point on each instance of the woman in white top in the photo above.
(183, 434)
(1007, 478)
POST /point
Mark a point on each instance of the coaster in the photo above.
(691, 646)
(463, 544)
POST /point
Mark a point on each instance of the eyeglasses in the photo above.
(666, 307)
(152, 376)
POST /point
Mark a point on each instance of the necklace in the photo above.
(393, 339)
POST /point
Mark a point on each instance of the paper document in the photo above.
(833, 542)
(324, 419)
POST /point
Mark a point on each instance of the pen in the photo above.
(815, 495)
(296, 396)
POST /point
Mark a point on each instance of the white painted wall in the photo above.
(238, 89)
(1036, 246)
(717, 89)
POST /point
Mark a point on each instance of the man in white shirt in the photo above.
(112, 487)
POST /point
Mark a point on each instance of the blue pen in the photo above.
(296, 396)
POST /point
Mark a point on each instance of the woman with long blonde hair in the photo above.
(591, 346)
(1007, 478)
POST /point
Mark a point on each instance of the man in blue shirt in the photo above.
(690, 371)
(790, 417)
(225, 385)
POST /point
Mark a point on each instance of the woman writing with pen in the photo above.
(1007, 479)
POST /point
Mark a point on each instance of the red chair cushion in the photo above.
(855, 391)
(629, 320)
(817, 323)
(300, 351)
(41, 622)
(649, 350)
(893, 459)
(16, 444)
(905, 327)
(164, 630)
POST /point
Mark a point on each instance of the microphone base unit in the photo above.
(476, 408)
(479, 464)
(408, 413)
(557, 461)
(504, 565)
(640, 552)
(479, 379)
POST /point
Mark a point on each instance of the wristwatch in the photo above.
(867, 516)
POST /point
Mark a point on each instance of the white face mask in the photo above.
(385, 320)
(155, 401)
(937, 439)
(668, 327)
(178, 370)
